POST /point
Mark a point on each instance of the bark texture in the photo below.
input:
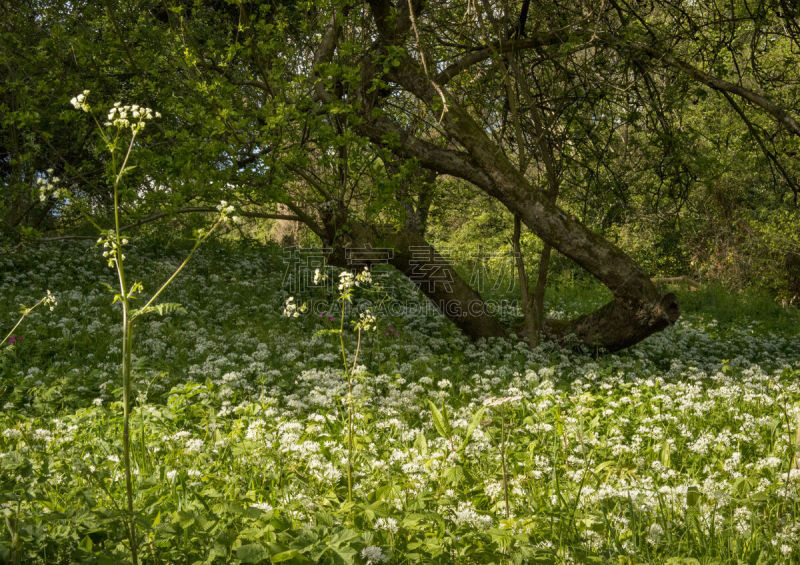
(443, 286)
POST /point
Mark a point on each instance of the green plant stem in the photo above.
(127, 343)
(27, 311)
(349, 408)
(505, 464)
(182, 265)
(349, 438)
(358, 349)
(126, 452)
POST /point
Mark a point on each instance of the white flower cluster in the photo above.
(346, 281)
(50, 300)
(48, 187)
(319, 276)
(387, 524)
(292, 310)
(130, 116)
(373, 554)
(112, 249)
(496, 402)
(466, 515)
(79, 101)
(226, 210)
(364, 278)
(366, 321)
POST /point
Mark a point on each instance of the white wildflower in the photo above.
(373, 554)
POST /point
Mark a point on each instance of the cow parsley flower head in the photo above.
(48, 187)
(50, 300)
(319, 276)
(346, 281)
(366, 321)
(292, 310)
(79, 102)
(364, 278)
(130, 116)
(226, 212)
(112, 249)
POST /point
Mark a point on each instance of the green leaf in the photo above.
(184, 519)
(474, 423)
(421, 444)
(284, 556)
(160, 309)
(251, 553)
(665, 454)
(440, 421)
(454, 474)
(86, 544)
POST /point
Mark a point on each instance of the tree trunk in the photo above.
(638, 309)
(792, 264)
(432, 274)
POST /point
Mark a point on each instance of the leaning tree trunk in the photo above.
(638, 309)
(432, 273)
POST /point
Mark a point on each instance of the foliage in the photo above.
(678, 449)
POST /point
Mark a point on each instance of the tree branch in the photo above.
(188, 210)
(499, 48)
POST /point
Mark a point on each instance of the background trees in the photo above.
(664, 129)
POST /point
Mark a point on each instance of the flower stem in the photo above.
(505, 464)
(25, 313)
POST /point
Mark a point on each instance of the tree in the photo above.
(345, 113)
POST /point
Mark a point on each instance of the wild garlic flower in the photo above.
(79, 101)
(373, 554)
(292, 310)
(496, 402)
(387, 524)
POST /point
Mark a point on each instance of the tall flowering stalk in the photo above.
(124, 120)
(500, 405)
(348, 283)
(366, 322)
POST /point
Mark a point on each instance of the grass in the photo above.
(679, 450)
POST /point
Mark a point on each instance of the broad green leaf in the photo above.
(440, 421)
(473, 425)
